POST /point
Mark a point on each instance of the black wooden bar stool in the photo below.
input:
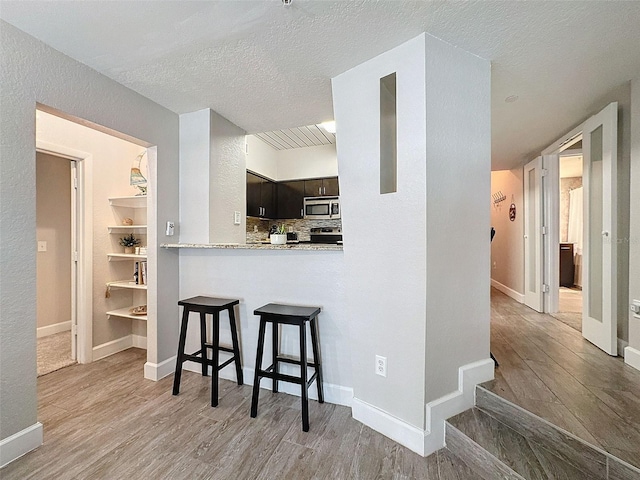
(277, 314)
(213, 306)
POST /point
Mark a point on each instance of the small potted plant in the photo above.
(280, 236)
(129, 243)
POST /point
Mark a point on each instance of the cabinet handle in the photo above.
(319, 191)
(302, 213)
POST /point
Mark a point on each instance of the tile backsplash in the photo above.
(301, 226)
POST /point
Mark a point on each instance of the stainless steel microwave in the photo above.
(321, 208)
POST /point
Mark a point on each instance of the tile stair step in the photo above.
(501, 440)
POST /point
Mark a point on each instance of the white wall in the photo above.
(30, 73)
(111, 161)
(249, 276)
(261, 158)
(507, 248)
(227, 181)
(53, 226)
(293, 163)
(307, 162)
(195, 141)
(634, 236)
(412, 256)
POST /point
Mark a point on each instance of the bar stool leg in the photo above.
(316, 359)
(203, 344)
(303, 377)
(215, 333)
(236, 345)
(275, 342)
(256, 377)
(180, 359)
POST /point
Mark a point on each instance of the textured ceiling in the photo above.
(268, 67)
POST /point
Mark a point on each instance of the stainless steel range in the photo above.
(326, 235)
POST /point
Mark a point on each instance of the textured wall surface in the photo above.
(32, 72)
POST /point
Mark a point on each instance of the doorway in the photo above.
(56, 268)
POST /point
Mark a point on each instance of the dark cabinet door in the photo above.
(330, 187)
(254, 183)
(290, 199)
(313, 188)
(268, 199)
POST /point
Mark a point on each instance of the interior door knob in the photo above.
(605, 233)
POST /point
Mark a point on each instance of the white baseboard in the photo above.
(332, 393)
(396, 429)
(139, 341)
(114, 346)
(157, 371)
(53, 329)
(632, 357)
(622, 344)
(509, 292)
(436, 412)
(454, 403)
(21, 443)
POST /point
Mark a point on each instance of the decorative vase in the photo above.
(129, 249)
(278, 239)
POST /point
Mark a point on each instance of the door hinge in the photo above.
(544, 230)
(74, 329)
(75, 182)
(75, 256)
(545, 288)
(544, 172)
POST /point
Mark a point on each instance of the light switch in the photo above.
(236, 218)
(42, 246)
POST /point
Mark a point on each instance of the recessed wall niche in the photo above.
(388, 135)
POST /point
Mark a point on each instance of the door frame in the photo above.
(84, 244)
(534, 235)
(551, 163)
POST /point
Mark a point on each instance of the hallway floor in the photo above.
(549, 369)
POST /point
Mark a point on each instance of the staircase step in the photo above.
(523, 457)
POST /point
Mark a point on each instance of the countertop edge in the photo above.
(255, 246)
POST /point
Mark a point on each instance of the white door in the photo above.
(74, 259)
(599, 279)
(533, 235)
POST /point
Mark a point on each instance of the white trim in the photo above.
(632, 357)
(21, 443)
(405, 434)
(157, 371)
(622, 344)
(509, 292)
(53, 329)
(551, 212)
(454, 403)
(139, 341)
(84, 273)
(114, 346)
(425, 442)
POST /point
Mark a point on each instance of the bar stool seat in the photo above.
(299, 316)
(213, 306)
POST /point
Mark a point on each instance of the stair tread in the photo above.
(527, 458)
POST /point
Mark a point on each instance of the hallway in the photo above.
(549, 369)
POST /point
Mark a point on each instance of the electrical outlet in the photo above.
(42, 246)
(635, 308)
(236, 218)
(170, 228)
(381, 366)
(495, 265)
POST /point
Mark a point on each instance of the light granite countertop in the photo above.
(256, 246)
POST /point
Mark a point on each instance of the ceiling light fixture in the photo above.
(329, 126)
(511, 98)
(286, 3)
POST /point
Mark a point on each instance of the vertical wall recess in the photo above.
(388, 135)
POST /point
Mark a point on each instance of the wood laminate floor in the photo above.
(104, 421)
(549, 369)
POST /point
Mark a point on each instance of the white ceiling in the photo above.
(268, 67)
(297, 137)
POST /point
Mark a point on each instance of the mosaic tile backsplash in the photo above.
(302, 226)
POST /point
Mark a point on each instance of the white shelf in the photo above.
(125, 256)
(137, 201)
(126, 284)
(125, 313)
(127, 228)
